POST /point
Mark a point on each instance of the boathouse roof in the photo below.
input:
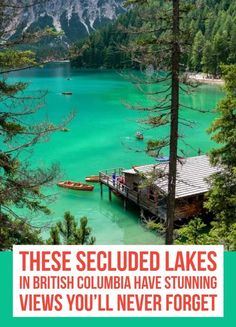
(192, 174)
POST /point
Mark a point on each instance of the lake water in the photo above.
(101, 136)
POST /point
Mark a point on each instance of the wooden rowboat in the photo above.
(77, 186)
(94, 179)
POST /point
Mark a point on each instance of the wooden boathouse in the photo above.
(147, 186)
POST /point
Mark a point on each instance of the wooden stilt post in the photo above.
(125, 203)
(110, 194)
(126, 198)
(101, 190)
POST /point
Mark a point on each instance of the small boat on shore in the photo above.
(93, 179)
(139, 136)
(77, 186)
(67, 93)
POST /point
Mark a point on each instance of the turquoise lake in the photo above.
(102, 136)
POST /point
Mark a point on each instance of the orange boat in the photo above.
(93, 179)
(77, 186)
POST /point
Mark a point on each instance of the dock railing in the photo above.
(116, 184)
(111, 171)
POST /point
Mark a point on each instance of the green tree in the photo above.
(220, 233)
(54, 238)
(221, 200)
(83, 233)
(192, 233)
(209, 63)
(222, 196)
(67, 228)
(70, 233)
(196, 232)
(221, 49)
(161, 44)
(20, 185)
(197, 51)
(232, 56)
(17, 231)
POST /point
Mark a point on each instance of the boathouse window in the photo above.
(152, 195)
(135, 187)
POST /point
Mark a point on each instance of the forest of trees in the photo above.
(21, 186)
(221, 199)
(212, 31)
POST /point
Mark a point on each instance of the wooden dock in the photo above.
(191, 185)
(127, 194)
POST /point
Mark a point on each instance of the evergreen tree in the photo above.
(221, 200)
(221, 50)
(197, 52)
(17, 231)
(160, 43)
(208, 22)
(70, 232)
(222, 196)
(220, 233)
(209, 63)
(83, 233)
(54, 238)
(192, 233)
(232, 45)
(20, 185)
